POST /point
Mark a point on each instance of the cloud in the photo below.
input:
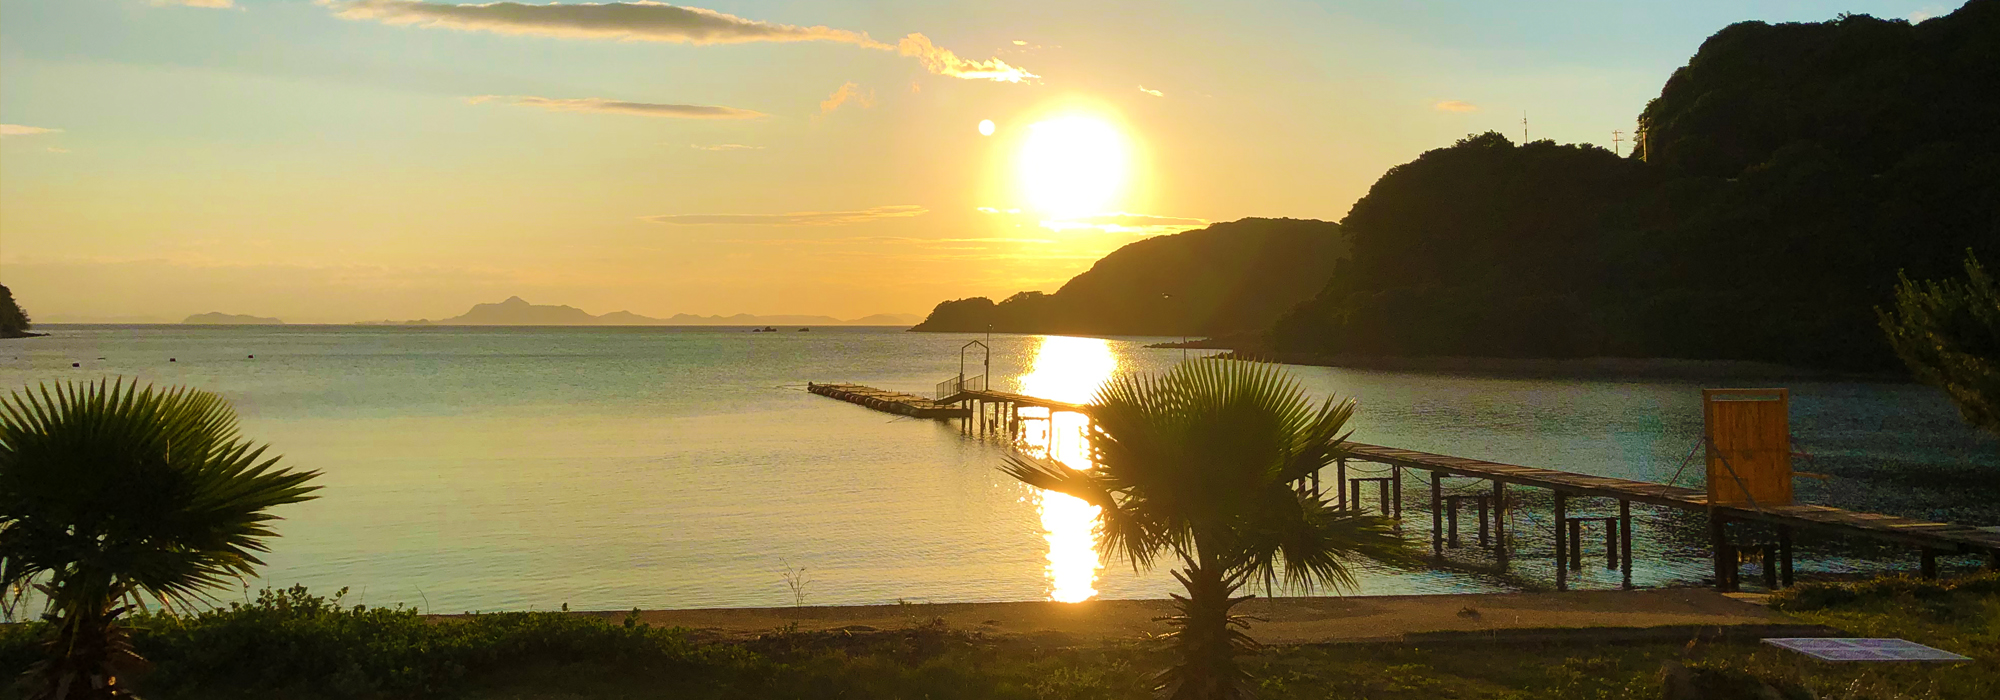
(1455, 106)
(1154, 93)
(630, 21)
(58, 149)
(944, 62)
(797, 218)
(211, 4)
(847, 91)
(724, 147)
(652, 21)
(1108, 222)
(643, 109)
(20, 130)
(1927, 12)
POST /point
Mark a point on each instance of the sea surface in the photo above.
(610, 468)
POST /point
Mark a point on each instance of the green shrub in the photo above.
(20, 647)
(294, 643)
(1821, 596)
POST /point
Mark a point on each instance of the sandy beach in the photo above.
(1321, 620)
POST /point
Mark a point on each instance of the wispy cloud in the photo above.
(643, 109)
(723, 147)
(848, 91)
(211, 4)
(1108, 222)
(632, 21)
(23, 130)
(1455, 106)
(58, 149)
(943, 62)
(1154, 93)
(652, 21)
(797, 218)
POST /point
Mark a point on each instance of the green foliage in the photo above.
(1830, 595)
(110, 484)
(1205, 464)
(1236, 276)
(1788, 173)
(1948, 334)
(292, 643)
(13, 319)
(379, 654)
(113, 494)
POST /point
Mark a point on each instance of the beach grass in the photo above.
(292, 644)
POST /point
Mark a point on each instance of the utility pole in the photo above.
(1614, 141)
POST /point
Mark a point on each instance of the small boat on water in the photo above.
(805, 330)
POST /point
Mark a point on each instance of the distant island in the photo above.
(217, 318)
(516, 311)
(1780, 182)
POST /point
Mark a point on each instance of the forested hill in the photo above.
(1229, 277)
(1788, 172)
(14, 322)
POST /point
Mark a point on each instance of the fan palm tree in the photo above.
(1207, 464)
(111, 494)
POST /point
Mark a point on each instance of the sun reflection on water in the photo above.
(1070, 370)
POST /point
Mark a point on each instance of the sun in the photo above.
(1072, 166)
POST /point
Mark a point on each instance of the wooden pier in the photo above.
(984, 411)
(889, 401)
(1930, 539)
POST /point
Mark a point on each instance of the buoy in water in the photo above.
(76, 364)
(172, 360)
(253, 357)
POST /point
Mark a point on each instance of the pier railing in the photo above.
(959, 385)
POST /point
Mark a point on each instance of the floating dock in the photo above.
(889, 401)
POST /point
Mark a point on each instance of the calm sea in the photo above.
(607, 468)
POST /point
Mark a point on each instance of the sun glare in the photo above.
(1068, 369)
(1072, 166)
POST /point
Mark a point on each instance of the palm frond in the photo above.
(112, 483)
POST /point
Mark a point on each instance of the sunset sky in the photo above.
(340, 161)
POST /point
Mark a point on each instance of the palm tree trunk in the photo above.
(1208, 639)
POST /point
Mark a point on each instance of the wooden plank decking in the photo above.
(889, 401)
(1940, 536)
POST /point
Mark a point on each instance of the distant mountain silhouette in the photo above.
(888, 320)
(1227, 278)
(516, 311)
(217, 318)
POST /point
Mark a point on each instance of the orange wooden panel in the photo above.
(1749, 446)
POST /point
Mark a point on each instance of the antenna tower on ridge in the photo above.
(1615, 138)
(1524, 127)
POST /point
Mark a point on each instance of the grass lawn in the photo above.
(294, 645)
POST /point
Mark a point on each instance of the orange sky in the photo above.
(339, 161)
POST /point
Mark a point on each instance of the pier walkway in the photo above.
(986, 411)
(889, 401)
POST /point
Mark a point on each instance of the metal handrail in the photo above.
(960, 384)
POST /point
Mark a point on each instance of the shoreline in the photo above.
(1580, 367)
(1637, 614)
